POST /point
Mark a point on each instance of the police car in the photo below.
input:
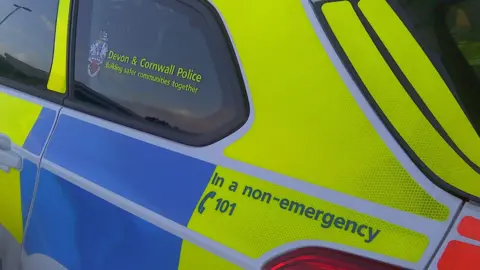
(194, 134)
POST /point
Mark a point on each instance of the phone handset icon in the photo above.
(201, 205)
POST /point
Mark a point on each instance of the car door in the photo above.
(25, 127)
(156, 163)
(29, 91)
(116, 189)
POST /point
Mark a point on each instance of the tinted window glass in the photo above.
(167, 63)
(463, 20)
(27, 35)
(449, 31)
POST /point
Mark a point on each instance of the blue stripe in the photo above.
(27, 184)
(39, 134)
(82, 231)
(161, 180)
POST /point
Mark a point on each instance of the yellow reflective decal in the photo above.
(253, 216)
(422, 74)
(394, 101)
(57, 81)
(195, 257)
(17, 119)
(11, 204)
(306, 123)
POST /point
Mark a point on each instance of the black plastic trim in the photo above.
(356, 78)
(214, 21)
(72, 25)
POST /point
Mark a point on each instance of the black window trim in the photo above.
(241, 117)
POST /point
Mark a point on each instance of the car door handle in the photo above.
(8, 158)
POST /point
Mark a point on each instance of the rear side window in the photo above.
(164, 67)
(27, 36)
(449, 31)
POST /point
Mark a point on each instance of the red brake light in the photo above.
(316, 258)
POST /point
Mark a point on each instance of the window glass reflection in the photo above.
(27, 35)
(152, 60)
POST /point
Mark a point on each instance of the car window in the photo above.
(168, 63)
(449, 31)
(464, 26)
(27, 35)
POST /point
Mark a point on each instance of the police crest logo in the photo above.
(98, 53)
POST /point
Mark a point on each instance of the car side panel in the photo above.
(159, 185)
(83, 231)
(100, 199)
(28, 122)
(102, 183)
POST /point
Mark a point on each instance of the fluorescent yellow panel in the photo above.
(262, 221)
(194, 257)
(423, 75)
(11, 204)
(17, 118)
(395, 102)
(306, 123)
(57, 81)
